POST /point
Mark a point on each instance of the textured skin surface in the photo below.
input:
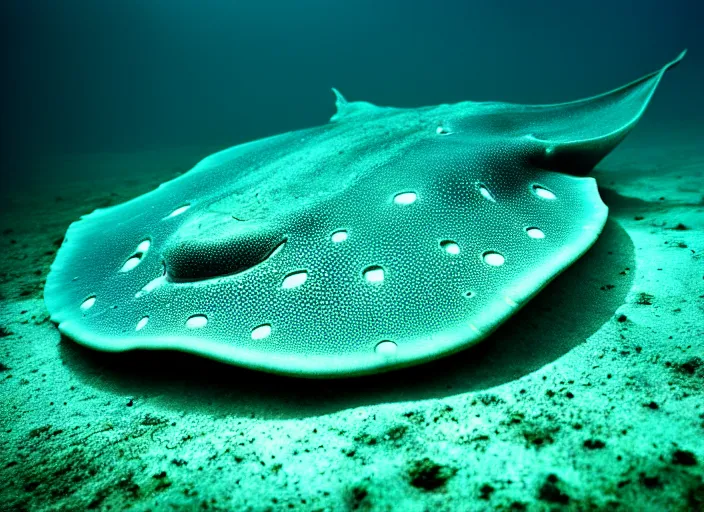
(223, 238)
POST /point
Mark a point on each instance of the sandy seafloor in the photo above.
(591, 398)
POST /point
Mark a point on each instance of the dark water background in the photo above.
(129, 75)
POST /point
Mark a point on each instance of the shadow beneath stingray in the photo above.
(563, 315)
(619, 204)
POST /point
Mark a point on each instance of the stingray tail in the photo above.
(575, 136)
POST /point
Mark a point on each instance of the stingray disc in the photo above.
(385, 238)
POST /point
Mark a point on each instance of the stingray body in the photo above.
(385, 238)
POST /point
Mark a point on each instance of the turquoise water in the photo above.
(86, 76)
(589, 398)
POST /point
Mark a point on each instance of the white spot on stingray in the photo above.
(88, 303)
(405, 198)
(179, 210)
(485, 193)
(508, 300)
(441, 130)
(450, 247)
(136, 258)
(142, 323)
(144, 246)
(474, 327)
(374, 274)
(131, 263)
(197, 321)
(535, 233)
(543, 192)
(385, 348)
(339, 236)
(150, 286)
(294, 279)
(493, 258)
(276, 251)
(261, 332)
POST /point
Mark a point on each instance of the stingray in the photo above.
(385, 238)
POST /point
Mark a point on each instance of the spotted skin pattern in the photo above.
(385, 238)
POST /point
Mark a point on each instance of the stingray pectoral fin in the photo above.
(573, 137)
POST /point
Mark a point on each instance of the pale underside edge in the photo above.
(331, 367)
